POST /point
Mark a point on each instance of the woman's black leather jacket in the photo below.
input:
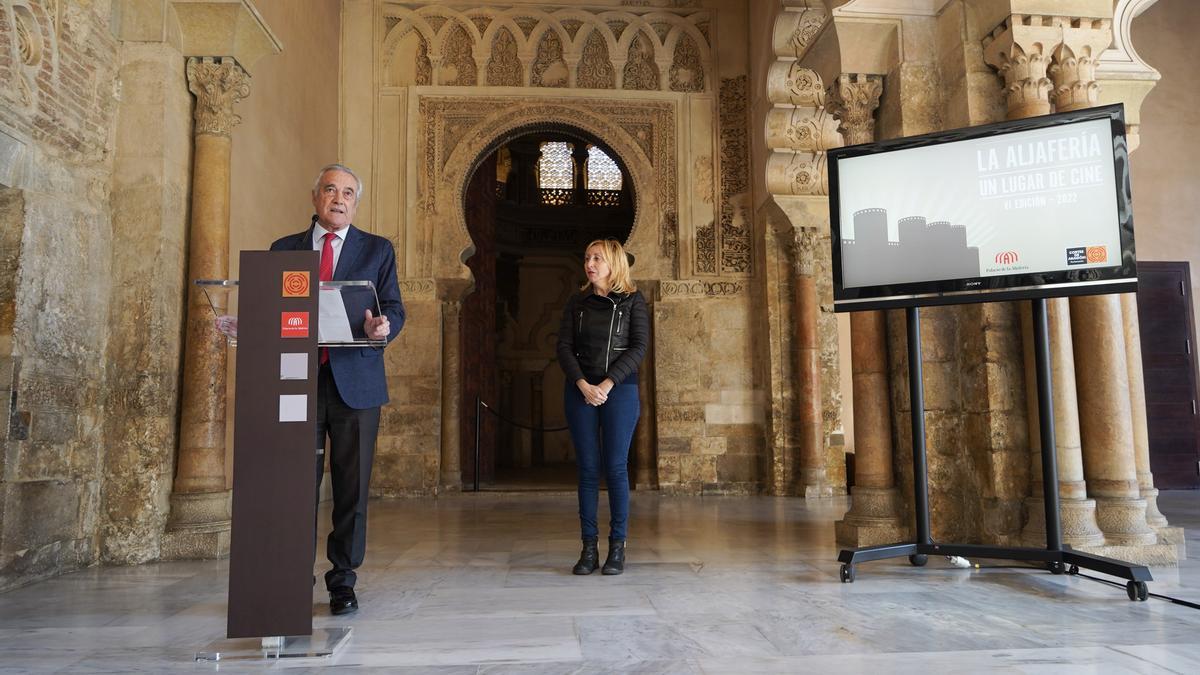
(603, 336)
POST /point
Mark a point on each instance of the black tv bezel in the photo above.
(1120, 278)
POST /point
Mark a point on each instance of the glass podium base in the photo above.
(323, 643)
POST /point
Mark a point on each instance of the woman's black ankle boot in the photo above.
(589, 558)
(615, 562)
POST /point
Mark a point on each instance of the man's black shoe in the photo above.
(342, 600)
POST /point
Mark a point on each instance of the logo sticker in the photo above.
(1007, 258)
(295, 284)
(1097, 254)
(293, 325)
(1077, 256)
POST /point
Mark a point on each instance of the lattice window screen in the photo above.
(602, 171)
(555, 166)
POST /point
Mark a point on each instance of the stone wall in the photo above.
(59, 63)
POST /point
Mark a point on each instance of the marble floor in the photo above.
(481, 584)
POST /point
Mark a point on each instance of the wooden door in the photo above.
(1169, 361)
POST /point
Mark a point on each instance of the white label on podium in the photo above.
(293, 408)
(293, 366)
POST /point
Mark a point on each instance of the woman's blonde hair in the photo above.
(618, 262)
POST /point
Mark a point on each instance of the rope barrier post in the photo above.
(478, 415)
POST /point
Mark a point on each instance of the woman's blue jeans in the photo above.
(602, 435)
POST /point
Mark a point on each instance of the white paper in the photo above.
(293, 366)
(293, 408)
(332, 324)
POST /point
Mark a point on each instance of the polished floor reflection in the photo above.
(482, 584)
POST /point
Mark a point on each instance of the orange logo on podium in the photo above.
(295, 284)
(1097, 254)
(293, 325)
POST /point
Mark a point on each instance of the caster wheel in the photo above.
(918, 559)
(1073, 570)
(1055, 567)
(847, 574)
(1137, 591)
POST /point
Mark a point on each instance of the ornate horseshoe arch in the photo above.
(460, 133)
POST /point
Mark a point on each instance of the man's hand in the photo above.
(227, 325)
(376, 328)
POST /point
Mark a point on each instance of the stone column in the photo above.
(200, 503)
(808, 367)
(1076, 510)
(645, 468)
(1107, 420)
(1137, 405)
(1099, 333)
(874, 515)
(1020, 53)
(451, 462)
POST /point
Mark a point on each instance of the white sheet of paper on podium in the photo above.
(333, 325)
(343, 307)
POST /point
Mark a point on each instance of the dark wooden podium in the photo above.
(274, 441)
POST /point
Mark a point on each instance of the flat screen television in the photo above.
(1038, 207)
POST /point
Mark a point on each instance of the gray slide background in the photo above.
(941, 183)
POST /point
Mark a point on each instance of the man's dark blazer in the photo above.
(359, 372)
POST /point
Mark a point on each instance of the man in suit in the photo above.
(351, 382)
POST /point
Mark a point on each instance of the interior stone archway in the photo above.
(451, 133)
(459, 132)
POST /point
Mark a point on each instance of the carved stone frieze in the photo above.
(853, 100)
(684, 288)
(217, 85)
(418, 289)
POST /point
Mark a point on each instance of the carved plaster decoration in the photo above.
(217, 84)
(669, 46)
(414, 290)
(853, 100)
(641, 72)
(595, 69)
(797, 30)
(735, 236)
(549, 68)
(504, 69)
(706, 248)
(424, 66)
(458, 65)
(687, 72)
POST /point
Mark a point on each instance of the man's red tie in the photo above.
(326, 274)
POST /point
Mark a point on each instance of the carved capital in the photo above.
(217, 84)
(853, 100)
(1073, 67)
(805, 241)
(1019, 49)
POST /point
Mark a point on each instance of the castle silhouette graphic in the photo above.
(925, 251)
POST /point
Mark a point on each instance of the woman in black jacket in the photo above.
(601, 340)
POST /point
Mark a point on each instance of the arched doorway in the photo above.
(535, 199)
